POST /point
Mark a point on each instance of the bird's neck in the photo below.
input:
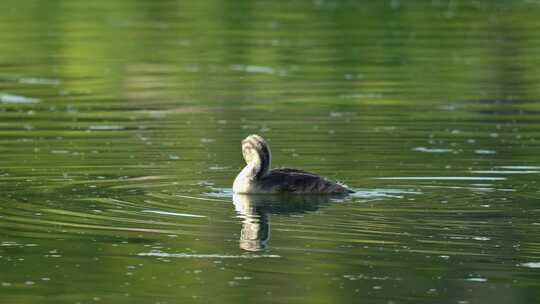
(256, 168)
(247, 178)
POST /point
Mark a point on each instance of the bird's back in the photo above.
(298, 181)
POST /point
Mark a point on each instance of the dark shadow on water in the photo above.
(255, 211)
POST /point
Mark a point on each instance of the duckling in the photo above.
(256, 177)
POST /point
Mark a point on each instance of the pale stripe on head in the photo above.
(255, 148)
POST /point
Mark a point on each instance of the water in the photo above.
(120, 129)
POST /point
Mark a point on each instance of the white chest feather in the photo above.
(244, 183)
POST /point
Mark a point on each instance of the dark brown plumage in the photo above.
(299, 181)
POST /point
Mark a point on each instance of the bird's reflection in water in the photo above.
(255, 211)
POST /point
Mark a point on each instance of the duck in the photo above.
(256, 177)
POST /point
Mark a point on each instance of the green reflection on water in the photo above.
(120, 125)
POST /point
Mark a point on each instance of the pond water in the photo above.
(120, 130)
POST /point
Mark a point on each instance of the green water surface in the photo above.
(120, 130)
